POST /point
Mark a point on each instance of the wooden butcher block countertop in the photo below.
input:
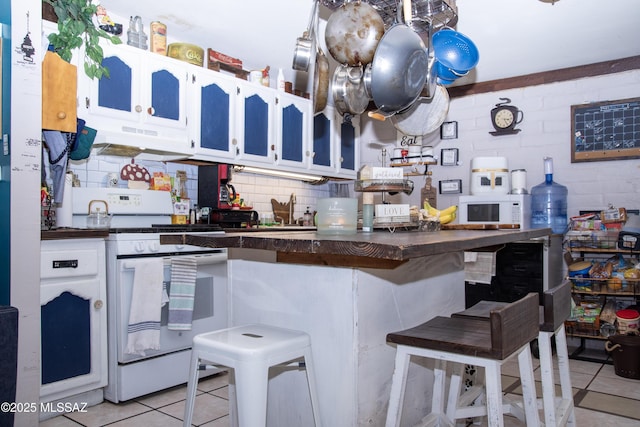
(379, 249)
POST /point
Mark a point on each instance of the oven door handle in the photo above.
(208, 259)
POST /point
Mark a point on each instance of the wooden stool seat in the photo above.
(471, 341)
(454, 335)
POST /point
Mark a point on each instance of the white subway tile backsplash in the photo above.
(256, 189)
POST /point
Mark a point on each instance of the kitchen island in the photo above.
(348, 292)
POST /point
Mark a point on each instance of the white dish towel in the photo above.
(182, 292)
(144, 313)
(479, 267)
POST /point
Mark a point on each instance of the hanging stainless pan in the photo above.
(321, 82)
(399, 68)
(305, 44)
(353, 32)
(425, 115)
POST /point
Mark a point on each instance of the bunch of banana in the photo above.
(445, 216)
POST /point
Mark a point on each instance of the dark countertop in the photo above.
(74, 233)
(379, 249)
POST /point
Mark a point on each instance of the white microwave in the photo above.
(495, 209)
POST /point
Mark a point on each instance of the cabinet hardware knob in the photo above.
(98, 304)
(62, 115)
(273, 147)
(138, 109)
(150, 111)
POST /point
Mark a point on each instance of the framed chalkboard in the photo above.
(607, 130)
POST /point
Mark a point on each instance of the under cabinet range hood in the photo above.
(141, 147)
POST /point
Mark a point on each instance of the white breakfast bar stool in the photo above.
(555, 309)
(470, 341)
(250, 350)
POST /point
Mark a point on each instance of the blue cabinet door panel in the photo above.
(65, 338)
(165, 95)
(292, 133)
(348, 146)
(256, 126)
(321, 140)
(115, 91)
(214, 119)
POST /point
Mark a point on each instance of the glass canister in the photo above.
(337, 215)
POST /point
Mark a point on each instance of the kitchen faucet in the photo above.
(292, 202)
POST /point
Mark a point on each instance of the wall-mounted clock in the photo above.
(504, 118)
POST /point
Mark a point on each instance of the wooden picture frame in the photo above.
(607, 130)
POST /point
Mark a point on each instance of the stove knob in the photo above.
(154, 246)
(138, 247)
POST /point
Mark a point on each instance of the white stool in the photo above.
(473, 342)
(250, 351)
(556, 308)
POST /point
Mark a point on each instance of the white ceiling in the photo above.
(514, 37)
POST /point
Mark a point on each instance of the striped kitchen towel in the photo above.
(181, 292)
(144, 314)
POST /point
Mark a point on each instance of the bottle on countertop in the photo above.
(549, 202)
(198, 214)
(280, 81)
(367, 212)
(307, 218)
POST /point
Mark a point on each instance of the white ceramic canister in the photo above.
(255, 76)
(489, 175)
(519, 181)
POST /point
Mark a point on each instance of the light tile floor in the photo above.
(601, 398)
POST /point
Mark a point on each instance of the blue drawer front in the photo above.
(292, 133)
(214, 120)
(256, 126)
(165, 95)
(66, 338)
(115, 92)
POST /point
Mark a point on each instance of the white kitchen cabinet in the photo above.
(294, 131)
(144, 99)
(74, 318)
(325, 141)
(255, 124)
(335, 144)
(241, 122)
(349, 151)
(212, 115)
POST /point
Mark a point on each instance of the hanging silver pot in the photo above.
(353, 32)
(349, 94)
(399, 68)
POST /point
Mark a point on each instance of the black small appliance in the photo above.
(215, 197)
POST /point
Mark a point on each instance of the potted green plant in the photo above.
(76, 27)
